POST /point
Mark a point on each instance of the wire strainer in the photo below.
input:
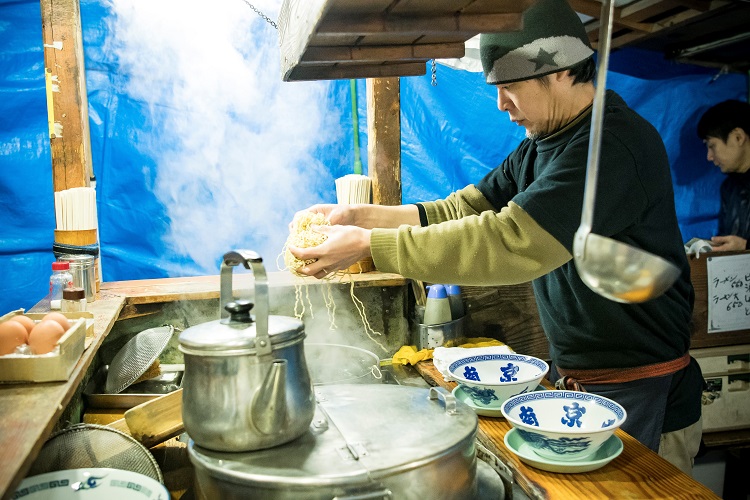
(135, 357)
(83, 446)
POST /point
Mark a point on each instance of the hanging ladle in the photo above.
(611, 268)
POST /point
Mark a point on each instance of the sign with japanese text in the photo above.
(728, 293)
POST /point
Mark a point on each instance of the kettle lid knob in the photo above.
(239, 311)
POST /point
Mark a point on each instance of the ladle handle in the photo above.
(251, 260)
(597, 117)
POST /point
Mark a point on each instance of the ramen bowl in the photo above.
(491, 379)
(93, 484)
(564, 425)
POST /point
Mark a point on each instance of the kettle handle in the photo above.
(251, 260)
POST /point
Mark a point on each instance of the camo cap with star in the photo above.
(552, 39)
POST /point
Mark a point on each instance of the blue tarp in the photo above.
(199, 148)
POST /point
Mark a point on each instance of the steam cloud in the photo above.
(236, 146)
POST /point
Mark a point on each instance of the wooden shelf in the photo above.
(333, 39)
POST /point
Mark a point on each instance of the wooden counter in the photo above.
(30, 412)
(637, 473)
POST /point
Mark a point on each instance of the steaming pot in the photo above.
(246, 384)
(367, 441)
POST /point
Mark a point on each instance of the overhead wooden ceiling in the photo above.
(333, 39)
(705, 32)
(330, 39)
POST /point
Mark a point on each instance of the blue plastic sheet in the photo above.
(173, 193)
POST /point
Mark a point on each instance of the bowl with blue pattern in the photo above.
(490, 379)
(564, 425)
(91, 484)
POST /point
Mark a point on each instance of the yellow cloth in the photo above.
(408, 354)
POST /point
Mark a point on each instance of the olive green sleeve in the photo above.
(468, 243)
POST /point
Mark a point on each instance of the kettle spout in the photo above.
(269, 411)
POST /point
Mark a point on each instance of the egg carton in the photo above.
(54, 366)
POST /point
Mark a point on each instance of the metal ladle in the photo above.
(611, 268)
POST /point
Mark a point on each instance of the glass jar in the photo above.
(82, 269)
(74, 300)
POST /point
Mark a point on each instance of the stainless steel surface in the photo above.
(366, 441)
(613, 269)
(95, 396)
(135, 357)
(246, 384)
(83, 269)
(402, 375)
(432, 336)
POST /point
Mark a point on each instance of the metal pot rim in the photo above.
(333, 431)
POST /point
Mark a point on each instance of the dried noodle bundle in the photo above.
(303, 237)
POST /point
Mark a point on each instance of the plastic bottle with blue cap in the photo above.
(455, 300)
(438, 308)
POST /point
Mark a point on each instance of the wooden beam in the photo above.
(346, 71)
(384, 53)
(644, 9)
(67, 104)
(384, 139)
(471, 24)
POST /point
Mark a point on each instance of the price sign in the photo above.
(728, 293)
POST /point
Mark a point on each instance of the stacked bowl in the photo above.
(490, 379)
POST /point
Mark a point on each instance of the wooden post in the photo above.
(384, 139)
(67, 104)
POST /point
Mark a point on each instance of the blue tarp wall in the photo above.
(199, 148)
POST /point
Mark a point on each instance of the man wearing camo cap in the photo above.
(518, 223)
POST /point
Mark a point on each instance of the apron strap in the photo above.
(574, 380)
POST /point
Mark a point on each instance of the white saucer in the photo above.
(461, 395)
(610, 450)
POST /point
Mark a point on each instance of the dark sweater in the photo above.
(734, 216)
(635, 205)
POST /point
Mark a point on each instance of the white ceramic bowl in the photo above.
(564, 425)
(490, 379)
(92, 483)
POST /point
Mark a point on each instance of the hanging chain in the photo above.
(434, 73)
(265, 17)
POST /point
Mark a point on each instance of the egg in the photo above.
(60, 318)
(12, 335)
(25, 321)
(44, 336)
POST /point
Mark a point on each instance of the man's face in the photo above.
(530, 105)
(725, 155)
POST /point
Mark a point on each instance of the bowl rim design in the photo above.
(536, 362)
(620, 413)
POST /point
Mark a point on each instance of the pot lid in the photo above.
(359, 433)
(238, 331)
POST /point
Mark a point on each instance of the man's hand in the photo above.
(728, 243)
(345, 246)
(335, 214)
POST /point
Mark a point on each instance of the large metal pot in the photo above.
(342, 364)
(246, 385)
(366, 442)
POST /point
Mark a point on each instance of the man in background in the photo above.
(725, 130)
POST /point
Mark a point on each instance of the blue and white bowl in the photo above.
(91, 484)
(490, 379)
(564, 425)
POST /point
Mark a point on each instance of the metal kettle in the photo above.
(246, 384)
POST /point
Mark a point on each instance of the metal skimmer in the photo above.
(82, 446)
(136, 357)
